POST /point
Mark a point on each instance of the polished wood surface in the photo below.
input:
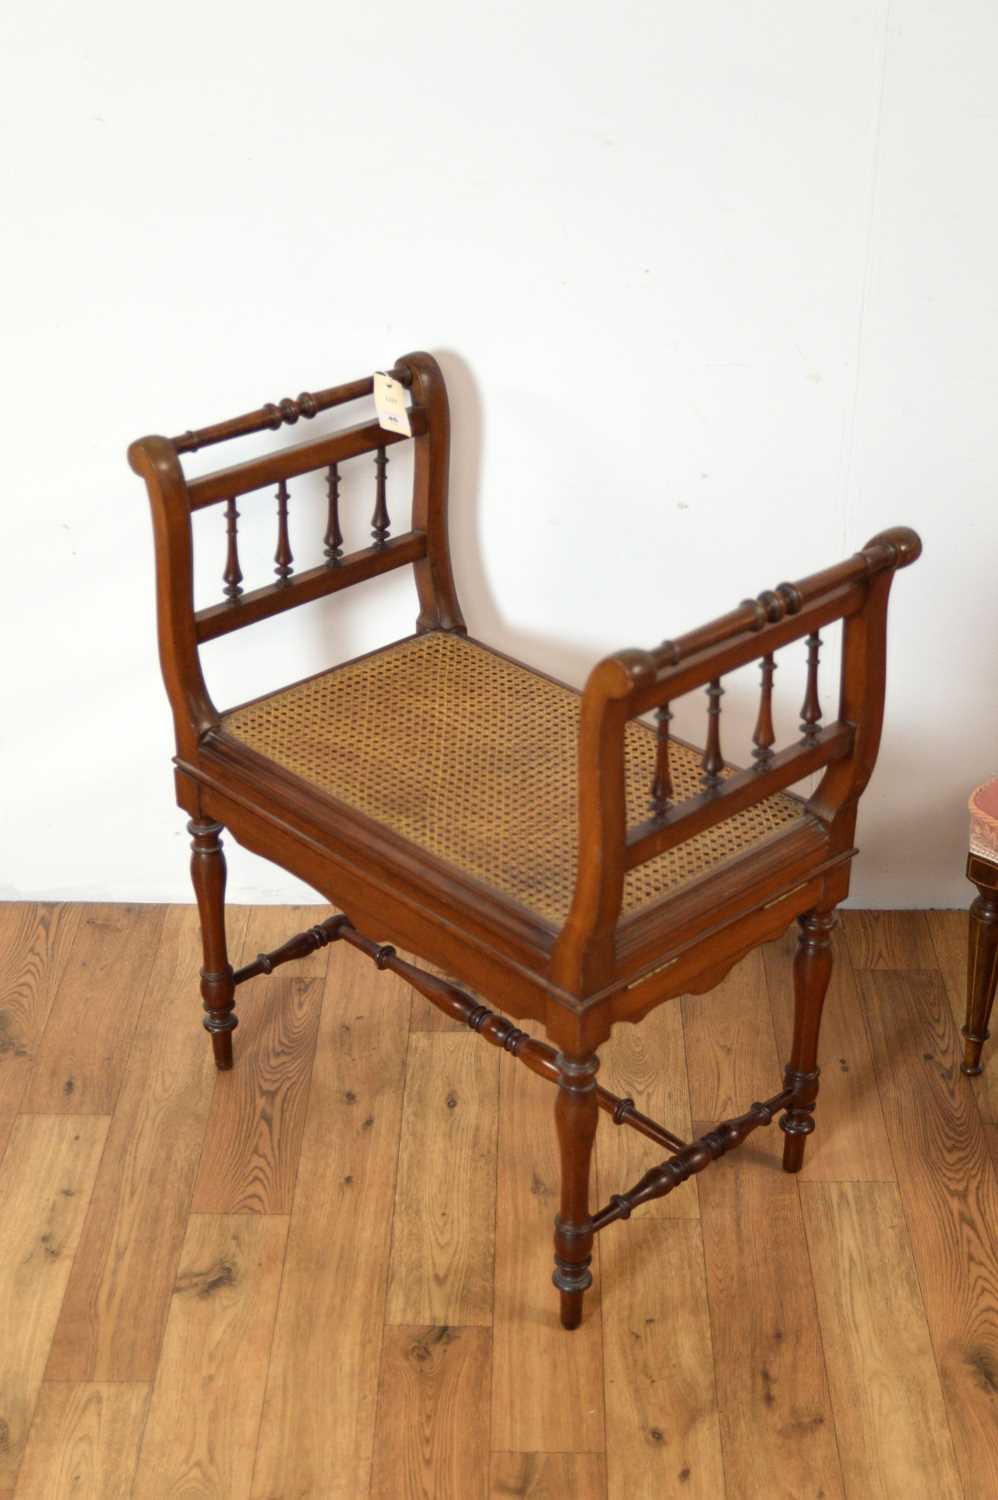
(422, 900)
(982, 961)
(183, 1317)
(947, 1183)
(578, 968)
(46, 1181)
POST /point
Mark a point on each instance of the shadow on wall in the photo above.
(561, 658)
(553, 653)
(482, 611)
(387, 608)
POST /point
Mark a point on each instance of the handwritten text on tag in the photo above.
(389, 403)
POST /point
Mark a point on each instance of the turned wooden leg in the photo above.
(217, 989)
(812, 971)
(982, 974)
(575, 1116)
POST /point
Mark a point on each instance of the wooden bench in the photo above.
(566, 860)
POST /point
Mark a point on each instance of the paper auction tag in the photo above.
(389, 403)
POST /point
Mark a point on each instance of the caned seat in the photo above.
(560, 855)
(473, 758)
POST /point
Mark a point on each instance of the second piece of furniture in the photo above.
(982, 968)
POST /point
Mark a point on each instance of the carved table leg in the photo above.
(576, 1113)
(217, 988)
(812, 971)
(982, 974)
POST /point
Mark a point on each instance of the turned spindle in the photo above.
(669, 1175)
(661, 787)
(575, 1116)
(539, 1057)
(810, 713)
(218, 988)
(232, 577)
(982, 950)
(283, 557)
(380, 521)
(333, 540)
(289, 411)
(713, 760)
(812, 971)
(764, 737)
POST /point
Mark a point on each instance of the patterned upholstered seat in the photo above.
(472, 757)
(984, 820)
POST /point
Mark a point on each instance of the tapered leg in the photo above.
(812, 971)
(982, 975)
(575, 1116)
(217, 989)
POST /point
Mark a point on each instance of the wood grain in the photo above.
(949, 933)
(46, 1179)
(776, 1416)
(35, 940)
(328, 1338)
(849, 1143)
(444, 1219)
(991, 1135)
(731, 1055)
(646, 1063)
(883, 1295)
(427, 1017)
(205, 1407)
(888, 939)
(530, 1410)
(548, 1476)
(431, 1442)
(116, 1302)
(949, 942)
(663, 1426)
(253, 1136)
(950, 1195)
(889, 1412)
(79, 1068)
(84, 1442)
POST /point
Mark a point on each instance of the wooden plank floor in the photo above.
(326, 1275)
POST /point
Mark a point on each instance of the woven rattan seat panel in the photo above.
(473, 758)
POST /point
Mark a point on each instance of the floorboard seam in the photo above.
(900, 974)
(391, 1241)
(290, 1219)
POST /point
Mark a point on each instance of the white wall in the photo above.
(716, 288)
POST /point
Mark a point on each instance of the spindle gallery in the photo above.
(560, 854)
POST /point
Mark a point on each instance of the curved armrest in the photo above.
(633, 682)
(173, 497)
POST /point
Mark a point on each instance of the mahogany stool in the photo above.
(982, 968)
(549, 849)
